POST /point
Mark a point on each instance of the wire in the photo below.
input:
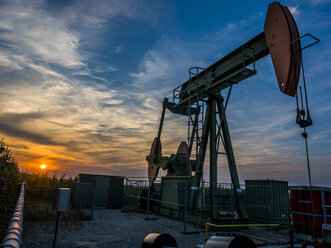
(305, 136)
(304, 85)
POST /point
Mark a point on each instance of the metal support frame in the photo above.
(231, 161)
(210, 122)
(213, 157)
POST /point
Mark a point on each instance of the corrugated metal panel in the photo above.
(302, 213)
(267, 201)
(115, 198)
(87, 178)
(83, 196)
(108, 189)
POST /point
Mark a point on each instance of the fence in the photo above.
(176, 198)
(13, 237)
(266, 201)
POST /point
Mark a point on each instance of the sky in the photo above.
(82, 84)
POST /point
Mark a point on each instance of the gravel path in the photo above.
(109, 228)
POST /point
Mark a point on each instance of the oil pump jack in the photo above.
(200, 99)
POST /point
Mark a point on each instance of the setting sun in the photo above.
(43, 166)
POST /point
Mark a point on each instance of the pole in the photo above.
(291, 234)
(213, 159)
(57, 229)
(125, 192)
(148, 197)
(185, 209)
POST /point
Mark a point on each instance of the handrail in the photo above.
(237, 225)
(13, 237)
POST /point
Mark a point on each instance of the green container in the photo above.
(267, 201)
(108, 189)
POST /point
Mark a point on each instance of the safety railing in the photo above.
(13, 237)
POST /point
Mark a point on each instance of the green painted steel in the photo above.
(227, 71)
(205, 86)
(213, 159)
(108, 189)
(267, 201)
(231, 161)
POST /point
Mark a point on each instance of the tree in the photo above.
(9, 178)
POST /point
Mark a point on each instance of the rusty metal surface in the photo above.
(239, 241)
(153, 169)
(282, 37)
(183, 148)
(159, 240)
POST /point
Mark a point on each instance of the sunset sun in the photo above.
(43, 166)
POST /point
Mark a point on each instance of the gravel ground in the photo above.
(109, 228)
(115, 229)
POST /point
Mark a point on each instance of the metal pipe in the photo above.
(57, 230)
(185, 208)
(148, 200)
(13, 237)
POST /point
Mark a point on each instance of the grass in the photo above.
(4, 220)
(35, 210)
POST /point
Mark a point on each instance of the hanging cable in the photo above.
(309, 120)
(298, 119)
(304, 123)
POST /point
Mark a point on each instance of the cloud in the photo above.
(294, 11)
(316, 2)
(118, 49)
(104, 68)
(29, 30)
(11, 125)
(59, 104)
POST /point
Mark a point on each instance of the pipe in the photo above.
(13, 237)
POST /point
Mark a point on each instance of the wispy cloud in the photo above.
(118, 49)
(294, 11)
(31, 31)
(62, 105)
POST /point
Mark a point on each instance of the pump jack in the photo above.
(200, 100)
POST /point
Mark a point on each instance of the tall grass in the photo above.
(40, 187)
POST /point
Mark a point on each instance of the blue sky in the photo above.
(82, 84)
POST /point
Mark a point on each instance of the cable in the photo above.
(305, 123)
(304, 85)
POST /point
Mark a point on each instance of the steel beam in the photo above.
(227, 71)
(231, 161)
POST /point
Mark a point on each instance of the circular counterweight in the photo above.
(153, 169)
(283, 40)
(180, 159)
